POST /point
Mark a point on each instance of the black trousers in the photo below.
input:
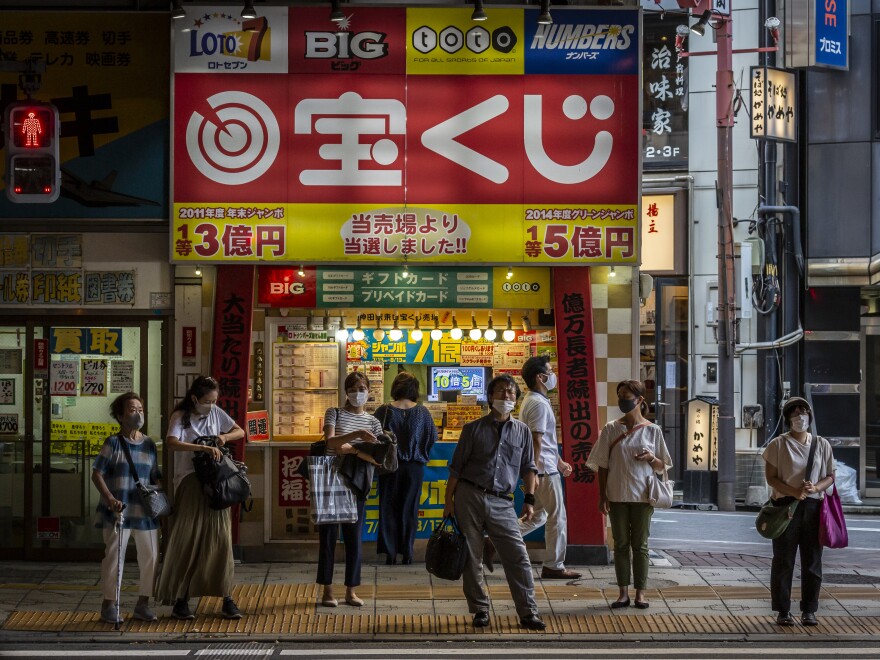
(801, 534)
(351, 537)
(399, 496)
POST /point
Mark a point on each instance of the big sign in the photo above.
(409, 134)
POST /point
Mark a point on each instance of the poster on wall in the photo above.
(94, 378)
(63, 377)
(353, 142)
(7, 391)
(122, 376)
(9, 423)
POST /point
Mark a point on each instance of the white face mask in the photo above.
(357, 399)
(135, 421)
(550, 383)
(800, 424)
(503, 406)
(204, 408)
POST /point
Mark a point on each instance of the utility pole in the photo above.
(725, 93)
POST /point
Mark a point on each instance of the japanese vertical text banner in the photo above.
(407, 133)
(578, 405)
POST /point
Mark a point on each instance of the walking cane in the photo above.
(120, 560)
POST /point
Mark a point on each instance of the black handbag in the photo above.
(224, 482)
(153, 498)
(447, 551)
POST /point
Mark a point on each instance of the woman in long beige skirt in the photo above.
(198, 560)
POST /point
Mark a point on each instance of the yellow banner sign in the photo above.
(460, 233)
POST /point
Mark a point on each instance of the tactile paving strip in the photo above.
(277, 609)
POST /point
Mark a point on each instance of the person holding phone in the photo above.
(628, 451)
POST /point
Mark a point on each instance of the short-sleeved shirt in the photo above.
(537, 413)
(214, 423)
(344, 422)
(627, 479)
(415, 430)
(790, 459)
(113, 467)
(493, 455)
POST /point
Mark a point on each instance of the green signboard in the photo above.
(399, 288)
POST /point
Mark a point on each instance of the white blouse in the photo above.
(790, 459)
(627, 478)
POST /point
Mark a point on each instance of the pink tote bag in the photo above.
(832, 525)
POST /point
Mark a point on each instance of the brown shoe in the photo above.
(489, 555)
(558, 574)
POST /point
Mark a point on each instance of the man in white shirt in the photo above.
(537, 413)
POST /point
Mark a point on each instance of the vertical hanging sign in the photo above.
(578, 408)
(230, 364)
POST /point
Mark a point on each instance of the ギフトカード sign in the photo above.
(409, 134)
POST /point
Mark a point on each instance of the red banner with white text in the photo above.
(578, 407)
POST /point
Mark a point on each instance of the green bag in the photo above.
(773, 519)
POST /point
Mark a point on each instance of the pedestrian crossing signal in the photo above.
(33, 167)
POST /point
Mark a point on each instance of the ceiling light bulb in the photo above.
(405, 269)
(342, 332)
(490, 334)
(177, 10)
(509, 273)
(198, 271)
(436, 334)
(248, 11)
(301, 272)
(613, 272)
(378, 334)
(416, 333)
(336, 14)
(475, 333)
(357, 334)
(479, 14)
(508, 335)
(526, 324)
(455, 333)
(396, 334)
(545, 18)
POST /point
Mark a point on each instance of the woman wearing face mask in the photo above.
(342, 426)
(112, 476)
(628, 451)
(198, 560)
(787, 457)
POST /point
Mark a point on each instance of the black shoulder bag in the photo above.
(153, 498)
(224, 482)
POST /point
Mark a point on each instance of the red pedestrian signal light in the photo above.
(33, 167)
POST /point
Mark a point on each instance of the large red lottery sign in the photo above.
(350, 120)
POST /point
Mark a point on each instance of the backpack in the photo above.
(224, 482)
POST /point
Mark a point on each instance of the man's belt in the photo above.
(504, 496)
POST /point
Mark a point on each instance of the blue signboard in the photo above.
(579, 42)
(831, 45)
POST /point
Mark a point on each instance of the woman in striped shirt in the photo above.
(342, 427)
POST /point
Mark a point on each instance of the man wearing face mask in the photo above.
(492, 454)
(537, 413)
(798, 465)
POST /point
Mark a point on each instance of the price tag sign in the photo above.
(9, 423)
(94, 378)
(64, 377)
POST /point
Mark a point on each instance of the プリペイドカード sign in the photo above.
(409, 134)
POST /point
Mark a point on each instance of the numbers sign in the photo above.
(64, 377)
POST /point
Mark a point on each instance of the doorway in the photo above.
(57, 379)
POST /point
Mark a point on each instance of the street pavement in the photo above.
(693, 596)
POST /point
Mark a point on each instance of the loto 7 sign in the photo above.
(443, 138)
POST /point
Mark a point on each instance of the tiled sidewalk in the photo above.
(280, 599)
